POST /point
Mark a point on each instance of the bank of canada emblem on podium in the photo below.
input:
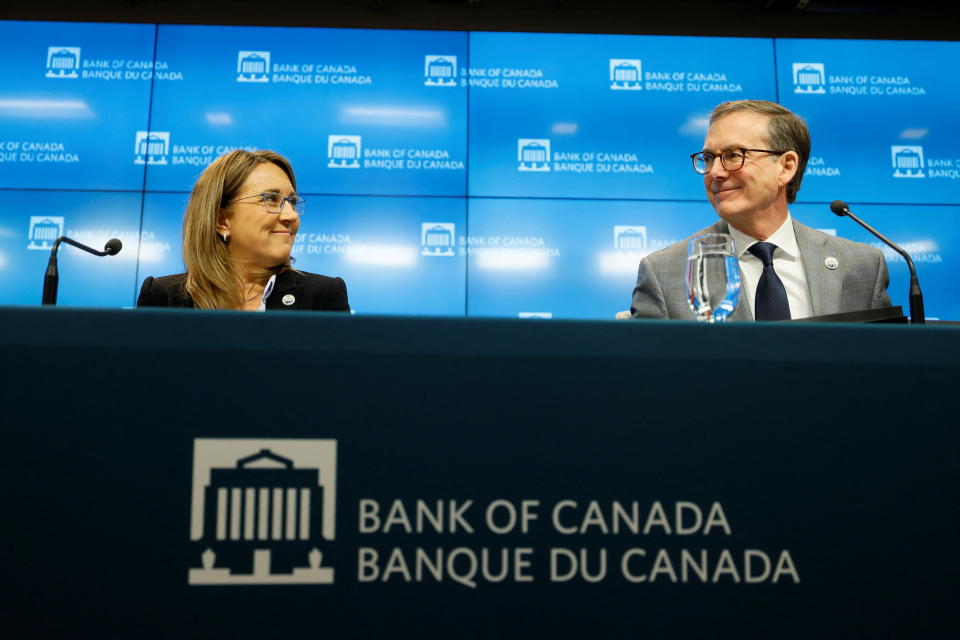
(63, 62)
(262, 511)
(809, 77)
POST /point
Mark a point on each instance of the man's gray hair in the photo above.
(786, 131)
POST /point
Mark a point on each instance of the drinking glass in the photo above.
(713, 277)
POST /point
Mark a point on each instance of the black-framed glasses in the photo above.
(730, 159)
(273, 202)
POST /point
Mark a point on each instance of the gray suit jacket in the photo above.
(859, 282)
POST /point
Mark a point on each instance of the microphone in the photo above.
(51, 277)
(840, 208)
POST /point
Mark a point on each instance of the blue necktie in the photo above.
(770, 302)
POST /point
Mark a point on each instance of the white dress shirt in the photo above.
(267, 290)
(787, 262)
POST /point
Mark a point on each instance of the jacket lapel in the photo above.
(287, 284)
(822, 283)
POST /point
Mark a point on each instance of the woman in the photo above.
(238, 231)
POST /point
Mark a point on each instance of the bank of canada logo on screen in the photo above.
(809, 77)
(253, 66)
(63, 62)
(44, 230)
(907, 161)
(151, 147)
(533, 154)
(437, 238)
(440, 71)
(629, 238)
(625, 74)
(343, 152)
(536, 315)
(262, 511)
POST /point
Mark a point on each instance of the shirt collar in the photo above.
(267, 290)
(784, 238)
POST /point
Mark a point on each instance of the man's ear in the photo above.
(789, 162)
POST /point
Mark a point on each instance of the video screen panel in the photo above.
(27, 234)
(882, 116)
(355, 111)
(539, 258)
(601, 116)
(72, 97)
(930, 234)
(397, 255)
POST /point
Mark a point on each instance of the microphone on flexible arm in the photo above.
(840, 208)
(52, 277)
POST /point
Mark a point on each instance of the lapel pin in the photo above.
(288, 299)
(831, 263)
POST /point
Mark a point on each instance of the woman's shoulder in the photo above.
(307, 278)
(164, 291)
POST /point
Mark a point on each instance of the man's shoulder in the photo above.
(832, 242)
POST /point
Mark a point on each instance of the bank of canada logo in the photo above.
(262, 511)
(437, 238)
(44, 230)
(907, 161)
(440, 71)
(151, 147)
(625, 74)
(809, 77)
(632, 238)
(63, 62)
(343, 152)
(536, 315)
(253, 66)
(533, 154)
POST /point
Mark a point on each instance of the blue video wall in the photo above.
(453, 173)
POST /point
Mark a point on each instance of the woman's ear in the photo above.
(223, 222)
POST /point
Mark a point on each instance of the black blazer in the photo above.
(303, 291)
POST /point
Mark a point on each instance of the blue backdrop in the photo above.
(452, 173)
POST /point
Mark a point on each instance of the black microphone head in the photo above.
(113, 246)
(839, 207)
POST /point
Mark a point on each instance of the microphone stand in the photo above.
(916, 297)
(51, 278)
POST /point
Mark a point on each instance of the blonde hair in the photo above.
(211, 280)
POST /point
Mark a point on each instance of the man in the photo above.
(752, 163)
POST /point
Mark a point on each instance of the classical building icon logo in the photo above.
(907, 161)
(440, 71)
(632, 238)
(44, 230)
(809, 77)
(437, 238)
(533, 154)
(626, 74)
(343, 152)
(262, 511)
(151, 147)
(63, 62)
(253, 66)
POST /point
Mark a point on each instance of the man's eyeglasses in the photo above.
(731, 159)
(273, 202)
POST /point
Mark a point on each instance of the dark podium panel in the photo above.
(175, 474)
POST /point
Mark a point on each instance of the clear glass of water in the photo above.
(713, 277)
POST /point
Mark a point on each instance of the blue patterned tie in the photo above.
(770, 302)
